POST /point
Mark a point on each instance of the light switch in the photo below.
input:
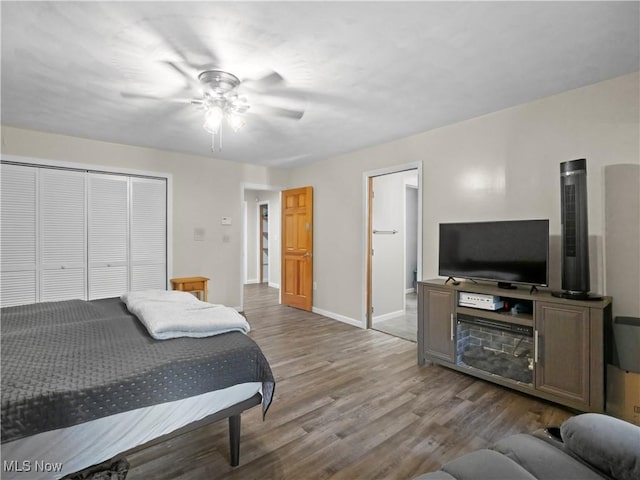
(226, 220)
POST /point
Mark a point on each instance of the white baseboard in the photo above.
(252, 281)
(388, 316)
(274, 285)
(336, 316)
(410, 290)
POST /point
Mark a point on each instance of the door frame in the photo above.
(406, 188)
(259, 206)
(367, 181)
(249, 186)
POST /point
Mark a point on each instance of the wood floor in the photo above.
(349, 404)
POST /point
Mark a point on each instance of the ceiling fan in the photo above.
(224, 98)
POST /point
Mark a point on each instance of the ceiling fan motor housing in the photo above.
(219, 82)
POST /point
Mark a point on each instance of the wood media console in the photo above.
(549, 347)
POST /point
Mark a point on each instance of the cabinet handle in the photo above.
(451, 327)
(535, 346)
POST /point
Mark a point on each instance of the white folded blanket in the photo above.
(171, 314)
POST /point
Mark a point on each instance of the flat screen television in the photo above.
(507, 252)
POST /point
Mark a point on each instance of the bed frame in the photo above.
(68, 317)
(232, 413)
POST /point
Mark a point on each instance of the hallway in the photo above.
(404, 326)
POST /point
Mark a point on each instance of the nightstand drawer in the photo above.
(191, 286)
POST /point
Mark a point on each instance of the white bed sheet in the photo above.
(90, 443)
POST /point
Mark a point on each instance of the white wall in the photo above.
(499, 166)
(622, 234)
(204, 190)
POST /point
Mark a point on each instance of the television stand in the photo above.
(554, 349)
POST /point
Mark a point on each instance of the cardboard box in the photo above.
(623, 394)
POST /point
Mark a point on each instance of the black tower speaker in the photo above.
(575, 231)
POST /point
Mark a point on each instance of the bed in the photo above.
(84, 381)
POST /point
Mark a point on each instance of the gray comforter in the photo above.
(65, 363)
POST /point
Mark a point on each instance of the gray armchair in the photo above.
(586, 447)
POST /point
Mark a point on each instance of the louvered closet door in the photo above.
(63, 259)
(148, 233)
(108, 237)
(18, 221)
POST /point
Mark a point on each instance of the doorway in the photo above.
(261, 236)
(269, 250)
(394, 250)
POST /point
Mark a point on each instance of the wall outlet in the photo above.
(315, 286)
(226, 221)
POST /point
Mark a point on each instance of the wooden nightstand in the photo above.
(191, 284)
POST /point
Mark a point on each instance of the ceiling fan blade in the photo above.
(306, 95)
(287, 161)
(162, 99)
(180, 37)
(193, 83)
(195, 42)
(294, 114)
(269, 80)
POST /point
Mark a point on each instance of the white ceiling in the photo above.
(370, 72)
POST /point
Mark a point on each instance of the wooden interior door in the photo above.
(297, 248)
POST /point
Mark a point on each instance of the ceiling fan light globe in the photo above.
(235, 121)
(213, 119)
